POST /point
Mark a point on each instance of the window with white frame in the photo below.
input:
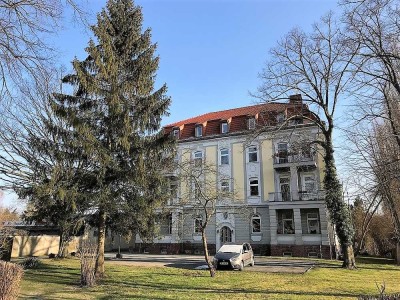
(252, 153)
(313, 223)
(285, 221)
(197, 191)
(225, 186)
(282, 153)
(253, 184)
(170, 224)
(173, 189)
(198, 158)
(255, 224)
(224, 127)
(165, 224)
(280, 118)
(308, 183)
(224, 156)
(175, 133)
(198, 130)
(251, 123)
(198, 222)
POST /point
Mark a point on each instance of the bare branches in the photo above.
(25, 52)
(317, 65)
(373, 24)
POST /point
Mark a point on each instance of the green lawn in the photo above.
(58, 279)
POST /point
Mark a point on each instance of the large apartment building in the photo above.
(264, 156)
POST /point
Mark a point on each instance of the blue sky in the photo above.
(210, 50)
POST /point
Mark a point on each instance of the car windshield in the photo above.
(230, 249)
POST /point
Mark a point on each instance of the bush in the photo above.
(88, 256)
(382, 296)
(30, 263)
(11, 275)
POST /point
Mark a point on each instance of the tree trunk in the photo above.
(206, 256)
(100, 244)
(349, 261)
(398, 253)
(63, 246)
(338, 210)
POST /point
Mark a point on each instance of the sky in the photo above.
(211, 51)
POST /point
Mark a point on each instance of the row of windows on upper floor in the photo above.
(309, 187)
(310, 222)
(224, 127)
(252, 155)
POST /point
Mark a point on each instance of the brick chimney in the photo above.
(295, 99)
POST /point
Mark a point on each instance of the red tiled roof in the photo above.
(226, 114)
(265, 114)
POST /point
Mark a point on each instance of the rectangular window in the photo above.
(175, 133)
(198, 158)
(254, 187)
(284, 188)
(313, 223)
(197, 191)
(256, 224)
(165, 225)
(224, 127)
(309, 183)
(224, 156)
(252, 123)
(253, 154)
(173, 190)
(280, 118)
(225, 187)
(285, 221)
(282, 153)
(198, 221)
(199, 130)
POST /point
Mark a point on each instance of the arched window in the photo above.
(255, 224)
(198, 222)
(225, 235)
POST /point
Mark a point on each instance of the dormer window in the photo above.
(198, 130)
(280, 118)
(252, 123)
(224, 127)
(175, 133)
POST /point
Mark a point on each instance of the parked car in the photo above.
(234, 256)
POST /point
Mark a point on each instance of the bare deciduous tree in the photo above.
(26, 53)
(205, 195)
(317, 65)
(374, 26)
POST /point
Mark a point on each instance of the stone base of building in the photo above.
(314, 251)
(173, 248)
(317, 251)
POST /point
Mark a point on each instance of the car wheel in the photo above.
(241, 267)
(252, 262)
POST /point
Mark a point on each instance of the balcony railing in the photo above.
(316, 195)
(280, 197)
(302, 196)
(293, 158)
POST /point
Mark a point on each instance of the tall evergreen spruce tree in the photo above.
(115, 114)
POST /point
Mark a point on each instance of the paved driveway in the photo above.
(262, 263)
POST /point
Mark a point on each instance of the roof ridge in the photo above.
(185, 121)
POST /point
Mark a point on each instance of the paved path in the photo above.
(262, 263)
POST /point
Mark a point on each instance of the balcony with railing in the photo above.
(285, 159)
(302, 196)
